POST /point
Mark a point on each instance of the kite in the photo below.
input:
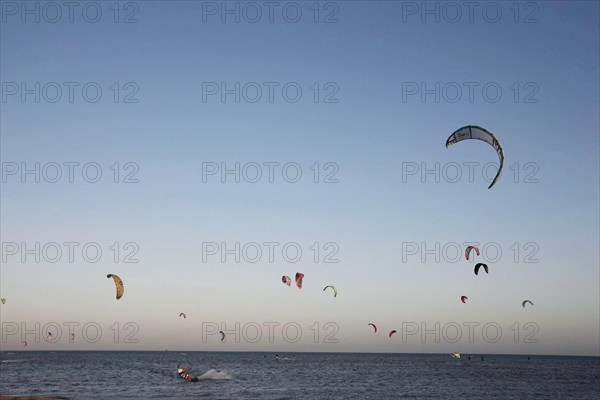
(526, 301)
(299, 277)
(182, 315)
(334, 290)
(479, 266)
(391, 333)
(468, 251)
(374, 327)
(286, 279)
(118, 284)
(463, 298)
(479, 133)
(222, 335)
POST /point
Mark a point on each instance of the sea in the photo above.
(306, 376)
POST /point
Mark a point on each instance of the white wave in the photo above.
(214, 374)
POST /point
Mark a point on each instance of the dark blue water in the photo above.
(101, 375)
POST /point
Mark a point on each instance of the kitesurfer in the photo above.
(184, 373)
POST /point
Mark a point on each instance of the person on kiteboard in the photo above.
(184, 373)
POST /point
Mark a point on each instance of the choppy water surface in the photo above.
(100, 375)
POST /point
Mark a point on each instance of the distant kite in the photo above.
(526, 301)
(374, 327)
(286, 280)
(182, 315)
(391, 333)
(118, 284)
(332, 287)
(485, 267)
(468, 251)
(464, 298)
(299, 277)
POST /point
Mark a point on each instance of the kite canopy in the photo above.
(182, 315)
(222, 335)
(299, 277)
(526, 301)
(374, 327)
(334, 290)
(485, 267)
(468, 251)
(118, 284)
(3, 301)
(391, 333)
(479, 133)
(286, 279)
(464, 298)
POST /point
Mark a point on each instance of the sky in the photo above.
(202, 150)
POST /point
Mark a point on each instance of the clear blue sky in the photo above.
(544, 58)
